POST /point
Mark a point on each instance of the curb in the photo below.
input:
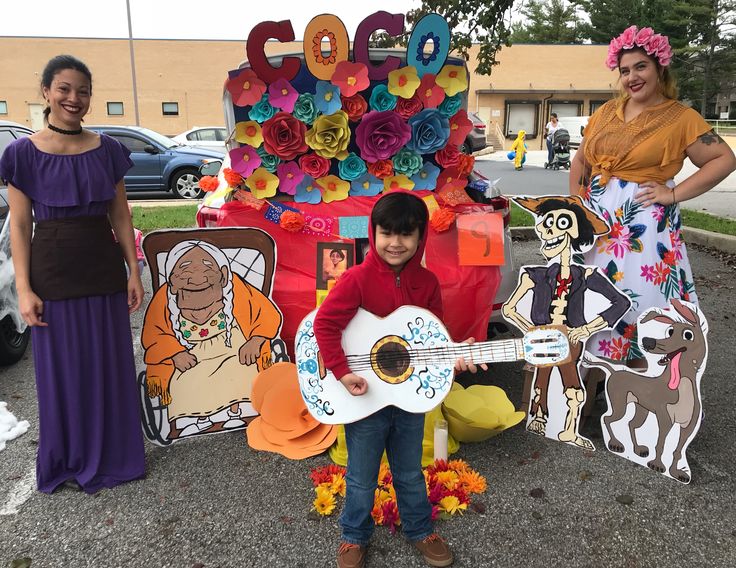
(707, 239)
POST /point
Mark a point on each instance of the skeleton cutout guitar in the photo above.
(408, 360)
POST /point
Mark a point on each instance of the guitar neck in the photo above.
(505, 350)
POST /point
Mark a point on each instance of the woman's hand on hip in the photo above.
(135, 293)
(31, 309)
(652, 193)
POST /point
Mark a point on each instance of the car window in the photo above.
(6, 137)
(221, 134)
(193, 136)
(131, 143)
(19, 133)
(207, 135)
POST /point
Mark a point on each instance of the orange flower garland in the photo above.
(442, 219)
(291, 221)
(232, 178)
(208, 183)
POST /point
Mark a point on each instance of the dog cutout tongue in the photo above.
(675, 372)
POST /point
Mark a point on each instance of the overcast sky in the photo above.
(178, 19)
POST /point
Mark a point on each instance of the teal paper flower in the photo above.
(381, 99)
(305, 109)
(268, 161)
(450, 105)
(262, 110)
(407, 162)
(352, 167)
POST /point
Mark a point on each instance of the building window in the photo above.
(3, 107)
(170, 109)
(566, 108)
(115, 109)
(595, 105)
(521, 115)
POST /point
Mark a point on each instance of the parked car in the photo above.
(14, 335)
(476, 138)
(160, 163)
(204, 137)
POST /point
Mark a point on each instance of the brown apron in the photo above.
(76, 257)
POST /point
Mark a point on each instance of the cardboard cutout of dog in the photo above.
(564, 293)
(653, 415)
(208, 330)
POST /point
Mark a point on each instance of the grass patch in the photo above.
(521, 218)
(149, 219)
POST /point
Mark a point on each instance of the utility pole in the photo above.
(132, 65)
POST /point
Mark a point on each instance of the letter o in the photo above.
(325, 26)
(436, 28)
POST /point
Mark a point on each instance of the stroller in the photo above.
(561, 149)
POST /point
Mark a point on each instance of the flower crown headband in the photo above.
(656, 45)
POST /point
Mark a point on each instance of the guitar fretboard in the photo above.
(486, 352)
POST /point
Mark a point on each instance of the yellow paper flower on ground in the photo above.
(452, 505)
(392, 183)
(403, 82)
(249, 132)
(325, 502)
(262, 183)
(333, 188)
(330, 135)
(453, 79)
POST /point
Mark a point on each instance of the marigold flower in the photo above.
(452, 505)
(324, 474)
(472, 482)
(442, 219)
(458, 465)
(324, 503)
(208, 183)
(447, 478)
(291, 221)
(338, 485)
(262, 183)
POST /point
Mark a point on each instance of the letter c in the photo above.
(254, 49)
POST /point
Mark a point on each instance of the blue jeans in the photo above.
(550, 152)
(401, 434)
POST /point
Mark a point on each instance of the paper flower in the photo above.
(447, 157)
(430, 130)
(290, 175)
(406, 108)
(282, 95)
(352, 167)
(291, 221)
(426, 178)
(305, 109)
(429, 92)
(465, 164)
(392, 183)
(407, 162)
(330, 135)
(381, 169)
(246, 89)
(268, 161)
(450, 176)
(327, 97)
(249, 132)
(442, 219)
(262, 183)
(244, 160)
(380, 135)
(453, 79)
(233, 178)
(262, 110)
(381, 99)
(208, 183)
(366, 186)
(314, 165)
(333, 188)
(450, 105)
(308, 192)
(403, 82)
(283, 136)
(350, 78)
(354, 106)
(460, 127)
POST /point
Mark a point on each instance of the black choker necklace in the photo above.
(62, 131)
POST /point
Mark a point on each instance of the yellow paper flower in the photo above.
(249, 132)
(452, 505)
(262, 183)
(403, 82)
(333, 188)
(447, 478)
(392, 183)
(338, 485)
(472, 482)
(330, 135)
(453, 79)
(324, 503)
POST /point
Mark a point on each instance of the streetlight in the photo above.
(132, 65)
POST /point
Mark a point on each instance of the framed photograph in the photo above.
(332, 260)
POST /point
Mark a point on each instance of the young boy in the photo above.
(390, 276)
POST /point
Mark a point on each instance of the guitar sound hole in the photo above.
(393, 360)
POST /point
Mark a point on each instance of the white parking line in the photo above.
(22, 491)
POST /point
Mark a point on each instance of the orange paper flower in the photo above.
(465, 164)
(208, 183)
(291, 221)
(381, 168)
(442, 219)
(232, 178)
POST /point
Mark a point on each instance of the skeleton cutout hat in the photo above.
(532, 204)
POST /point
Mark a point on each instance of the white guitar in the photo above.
(409, 362)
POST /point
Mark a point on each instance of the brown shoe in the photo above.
(435, 550)
(350, 555)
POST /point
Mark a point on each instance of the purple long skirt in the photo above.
(89, 424)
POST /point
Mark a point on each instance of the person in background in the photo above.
(634, 146)
(518, 147)
(549, 132)
(73, 290)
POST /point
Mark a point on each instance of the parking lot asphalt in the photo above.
(213, 502)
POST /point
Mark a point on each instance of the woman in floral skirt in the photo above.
(634, 146)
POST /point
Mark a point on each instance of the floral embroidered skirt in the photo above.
(643, 255)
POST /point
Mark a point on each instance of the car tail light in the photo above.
(501, 203)
(207, 217)
(480, 126)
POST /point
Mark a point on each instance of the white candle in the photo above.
(440, 440)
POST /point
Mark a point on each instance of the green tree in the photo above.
(548, 21)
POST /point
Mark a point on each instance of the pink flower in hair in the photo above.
(655, 45)
(627, 38)
(643, 37)
(664, 53)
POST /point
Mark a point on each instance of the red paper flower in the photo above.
(406, 108)
(350, 77)
(448, 156)
(232, 178)
(381, 169)
(246, 89)
(314, 166)
(208, 183)
(291, 221)
(465, 163)
(354, 106)
(429, 92)
(442, 219)
(450, 176)
(460, 127)
(283, 136)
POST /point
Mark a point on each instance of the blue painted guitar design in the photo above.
(410, 363)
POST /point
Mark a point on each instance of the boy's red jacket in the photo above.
(375, 287)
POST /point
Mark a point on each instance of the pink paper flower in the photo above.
(290, 175)
(429, 92)
(246, 89)
(282, 95)
(244, 160)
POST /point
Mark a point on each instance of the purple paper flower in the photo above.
(290, 175)
(282, 95)
(308, 192)
(366, 186)
(244, 160)
(381, 134)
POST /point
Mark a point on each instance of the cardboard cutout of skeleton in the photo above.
(654, 414)
(209, 329)
(564, 293)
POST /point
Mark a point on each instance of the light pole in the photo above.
(132, 65)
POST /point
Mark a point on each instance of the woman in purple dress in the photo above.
(73, 290)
